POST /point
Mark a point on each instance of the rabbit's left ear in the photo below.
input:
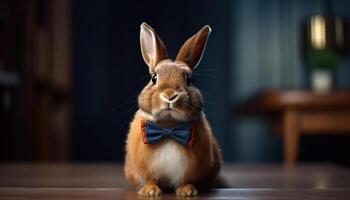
(152, 47)
(192, 50)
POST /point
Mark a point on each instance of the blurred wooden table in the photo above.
(293, 113)
(106, 181)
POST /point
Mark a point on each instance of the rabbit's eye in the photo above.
(154, 78)
(188, 80)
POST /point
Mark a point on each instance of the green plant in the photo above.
(322, 59)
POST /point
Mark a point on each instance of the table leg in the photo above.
(291, 133)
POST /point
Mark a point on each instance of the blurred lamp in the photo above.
(324, 40)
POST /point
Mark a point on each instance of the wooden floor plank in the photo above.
(107, 194)
(111, 176)
(106, 181)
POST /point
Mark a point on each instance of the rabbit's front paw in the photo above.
(150, 190)
(187, 190)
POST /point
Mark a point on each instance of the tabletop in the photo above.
(278, 100)
(106, 181)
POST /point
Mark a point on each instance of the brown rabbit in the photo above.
(170, 143)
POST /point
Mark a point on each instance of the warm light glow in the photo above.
(318, 32)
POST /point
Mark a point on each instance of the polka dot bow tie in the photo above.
(152, 133)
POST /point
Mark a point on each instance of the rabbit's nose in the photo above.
(169, 98)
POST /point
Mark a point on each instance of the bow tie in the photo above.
(152, 133)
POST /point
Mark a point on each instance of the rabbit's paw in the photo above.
(187, 190)
(150, 190)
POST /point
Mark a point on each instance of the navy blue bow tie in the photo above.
(152, 133)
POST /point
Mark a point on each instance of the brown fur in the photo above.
(204, 155)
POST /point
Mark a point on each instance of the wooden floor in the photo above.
(105, 181)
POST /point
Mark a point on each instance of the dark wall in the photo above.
(266, 53)
(109, 71)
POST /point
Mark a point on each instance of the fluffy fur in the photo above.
(167, 101)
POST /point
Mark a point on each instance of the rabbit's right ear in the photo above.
(152, 47)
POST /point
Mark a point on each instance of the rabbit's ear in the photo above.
(152, 47)
(192, 50)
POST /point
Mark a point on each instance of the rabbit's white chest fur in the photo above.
(168, 163)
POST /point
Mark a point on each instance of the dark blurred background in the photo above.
(70, 73)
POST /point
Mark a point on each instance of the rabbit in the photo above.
(170, 143)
